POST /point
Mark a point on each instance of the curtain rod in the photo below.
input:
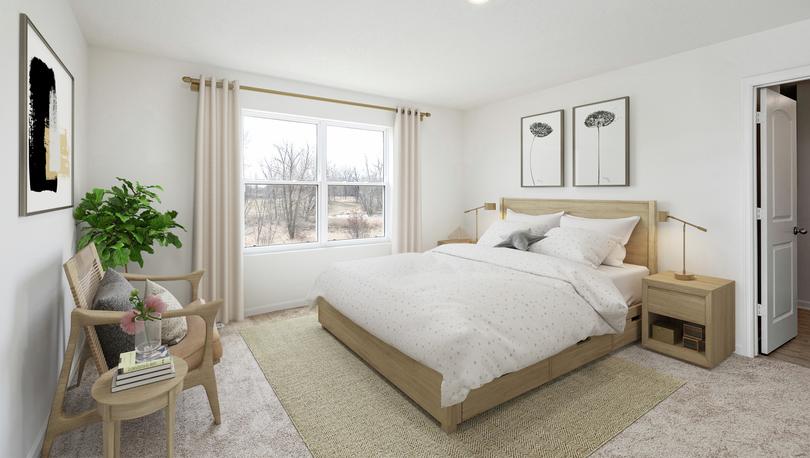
(195, 86)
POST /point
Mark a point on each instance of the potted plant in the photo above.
(123, 223)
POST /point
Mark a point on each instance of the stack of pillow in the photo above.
(589, 241)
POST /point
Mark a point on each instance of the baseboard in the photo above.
(276, 307)
(803, 304)
(36, 449)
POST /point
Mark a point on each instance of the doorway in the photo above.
(783, 212)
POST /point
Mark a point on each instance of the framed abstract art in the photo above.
(601, 143)
(46, 125)
(541, 150)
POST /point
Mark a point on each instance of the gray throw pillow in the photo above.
(520, 240)
(113, 294)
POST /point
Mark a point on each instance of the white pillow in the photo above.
(173, 330)
(550, 220)
(574, 244)
(616, 256)
(620, 229)
(501, 229)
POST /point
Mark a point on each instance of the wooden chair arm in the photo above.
(193, 278)
(208, 311)
(85, 317)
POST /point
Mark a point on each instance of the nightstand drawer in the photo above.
(687, 307)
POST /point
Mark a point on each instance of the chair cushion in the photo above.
(192, 346)
(113, 294)
(173, 330)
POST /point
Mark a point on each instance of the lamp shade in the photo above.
(489, 206)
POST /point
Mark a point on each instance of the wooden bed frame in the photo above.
(423, 384)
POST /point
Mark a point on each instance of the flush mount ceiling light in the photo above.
(477, 2)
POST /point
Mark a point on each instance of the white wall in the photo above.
(685, 144)
(35, 298)
(803, 146)
(143, 120)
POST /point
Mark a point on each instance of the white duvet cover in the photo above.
(474, 313)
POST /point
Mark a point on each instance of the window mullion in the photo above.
(356, 183)
(388, 162)
(279, 182)
(323, 188)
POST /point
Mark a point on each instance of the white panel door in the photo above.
(779, 293)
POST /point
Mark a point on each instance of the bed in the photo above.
(454, 373)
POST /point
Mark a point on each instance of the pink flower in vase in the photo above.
(155, 304)
(129, 324)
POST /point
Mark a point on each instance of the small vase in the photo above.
(147, 338)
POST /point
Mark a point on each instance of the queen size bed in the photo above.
(463, 328)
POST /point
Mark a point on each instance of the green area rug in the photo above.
(342, 407)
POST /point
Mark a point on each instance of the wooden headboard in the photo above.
(641, 249)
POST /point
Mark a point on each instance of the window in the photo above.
(312, 182)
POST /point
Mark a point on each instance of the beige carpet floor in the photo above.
(744, 407)
(253, 422)
(342, 408)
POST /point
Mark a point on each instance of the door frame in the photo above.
(749, 89)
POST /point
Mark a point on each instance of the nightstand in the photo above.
(706, 303)
(445, 242)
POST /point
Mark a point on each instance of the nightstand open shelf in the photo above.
(676, 350)
(706, 301)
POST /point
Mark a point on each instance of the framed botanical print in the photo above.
(602, 144)
(46, 125)
(541, 150)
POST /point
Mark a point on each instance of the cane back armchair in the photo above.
(201, 348)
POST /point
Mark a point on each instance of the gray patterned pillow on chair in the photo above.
(113, 294)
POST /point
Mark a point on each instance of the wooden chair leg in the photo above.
(83, 357)
(47, 443)
(210, 386)
(58, 422)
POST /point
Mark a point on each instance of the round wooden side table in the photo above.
(137, 402)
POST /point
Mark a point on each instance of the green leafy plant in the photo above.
(124, 224)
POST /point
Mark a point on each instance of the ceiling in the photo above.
(441, 52)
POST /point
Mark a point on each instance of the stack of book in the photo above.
(133, 372)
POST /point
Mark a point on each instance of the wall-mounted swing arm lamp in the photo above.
(486, 206)
(663, 217)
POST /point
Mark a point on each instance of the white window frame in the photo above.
(322, 212)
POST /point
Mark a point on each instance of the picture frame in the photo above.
(542, 156)
(601, 143)
(47, 108)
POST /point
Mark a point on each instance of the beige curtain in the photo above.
(218, 203)
(407, 231)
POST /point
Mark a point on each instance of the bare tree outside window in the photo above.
(357, 225)
(282, 182)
